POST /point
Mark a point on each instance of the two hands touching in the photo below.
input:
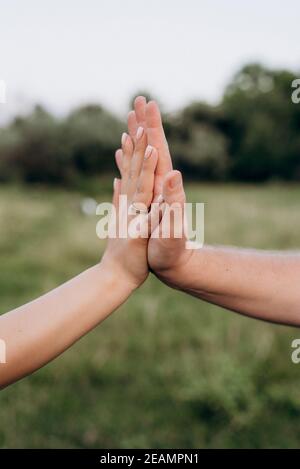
(262, 285)
(37, 332)
(148, 180)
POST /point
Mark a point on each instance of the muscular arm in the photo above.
(258, 284)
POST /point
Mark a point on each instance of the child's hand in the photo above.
(137, 163)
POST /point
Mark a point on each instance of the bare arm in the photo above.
(39, 331)
(258, 284)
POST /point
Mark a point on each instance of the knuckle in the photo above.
(182, 199)
(132, 173)
(125, 167)
(141, 188)
(145, 198)
(137, 146)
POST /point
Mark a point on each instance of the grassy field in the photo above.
(166, 370)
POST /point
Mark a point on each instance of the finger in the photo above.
(140, 143)
(173, 220)
(173, 190)
(153, 116)
(143, 197)
(132, 124)
(117, 189)
(145, 185)
(156, 137)
(119, 158)
(127, 151)
(155, 216)
(140, 110)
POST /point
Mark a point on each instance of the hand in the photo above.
(165, 256)
(147, 115)
(137, 164)
(53, 322)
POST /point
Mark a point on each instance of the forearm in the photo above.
(257, 284)
(41, 330)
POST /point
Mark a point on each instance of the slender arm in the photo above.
(41, 330)
(38, 332)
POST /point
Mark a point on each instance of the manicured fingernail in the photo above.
(139, 133)
(148, 151)
(124, 137)
(175, 181)
(115, 183)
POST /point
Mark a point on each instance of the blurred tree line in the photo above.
(252, 135)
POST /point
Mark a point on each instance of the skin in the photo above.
(259, 284)
(39, 331)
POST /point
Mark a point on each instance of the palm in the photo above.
(159, 254)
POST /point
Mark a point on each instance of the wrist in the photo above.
(177, 274)
(116, 275)
(198, 273)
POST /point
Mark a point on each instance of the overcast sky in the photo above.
(63, 53)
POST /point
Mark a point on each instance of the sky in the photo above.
(64, 53)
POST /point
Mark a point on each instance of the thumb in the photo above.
(173, 190)
(173, 221)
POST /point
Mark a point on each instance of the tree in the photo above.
(262, 124)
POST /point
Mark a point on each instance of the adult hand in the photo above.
(165, 255)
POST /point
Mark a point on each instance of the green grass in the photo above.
(166, 370)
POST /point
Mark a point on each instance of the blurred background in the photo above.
(166, 370)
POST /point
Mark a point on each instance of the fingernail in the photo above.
(115, 183)
(175, 181)
(148, 151)
(124, 137)
(160, 199)
(139, 133)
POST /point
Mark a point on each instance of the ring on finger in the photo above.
(137, 209)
